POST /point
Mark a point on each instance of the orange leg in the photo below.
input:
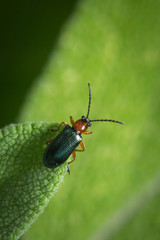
(64, 123)
(78, 150)
(87, 132)
(74, 154)
(82, 146)
(53, 130)
(72, 121)
(49, 141)
(74, 157)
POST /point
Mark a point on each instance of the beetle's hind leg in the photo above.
(74, 157)
(49, 141)
(68, 170)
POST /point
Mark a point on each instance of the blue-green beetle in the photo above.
(65, 144)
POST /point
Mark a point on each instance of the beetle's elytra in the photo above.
(65, 144)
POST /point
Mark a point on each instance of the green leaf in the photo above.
(25, 184)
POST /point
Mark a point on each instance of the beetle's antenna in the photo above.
(89, 100)
(106, 120)
(98, 120)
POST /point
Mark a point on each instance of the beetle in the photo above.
(65, 143)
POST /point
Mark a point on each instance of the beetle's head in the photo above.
(86, 120)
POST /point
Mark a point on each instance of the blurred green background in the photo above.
(113, 190)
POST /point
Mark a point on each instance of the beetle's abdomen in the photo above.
(61, 147)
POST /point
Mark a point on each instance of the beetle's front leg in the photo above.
(87, 132)
(54, 130)
(64, 123)
(72, 121)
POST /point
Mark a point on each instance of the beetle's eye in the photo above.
(83, 117)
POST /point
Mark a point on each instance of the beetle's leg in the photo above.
(74, 157)
(72, 121)
(53, 130)
(83, 147)
(68, 169)
(64, 123)
(87, 132)
(49, 141)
